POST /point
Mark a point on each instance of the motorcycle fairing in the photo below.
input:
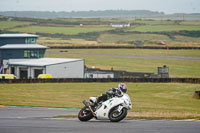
(104, 110)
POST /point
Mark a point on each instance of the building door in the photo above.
(37, 72)
(23, 73)
(12, 70)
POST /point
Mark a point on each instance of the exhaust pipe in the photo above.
(87, 104)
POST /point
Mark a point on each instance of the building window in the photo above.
(41, 54)
(26, 54)
(33, 54)
(30, 40)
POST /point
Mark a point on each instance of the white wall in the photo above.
(67, 70)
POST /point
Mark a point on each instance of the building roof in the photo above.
(23, 46)
(41, 61)
(17, 35)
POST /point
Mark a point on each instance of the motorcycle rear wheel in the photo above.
(116, 116)
(85, 114)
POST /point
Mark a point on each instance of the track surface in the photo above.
(140, 56)
(12, 120)
(129, 56)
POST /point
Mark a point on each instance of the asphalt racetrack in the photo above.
(38, 120)
(129, 56)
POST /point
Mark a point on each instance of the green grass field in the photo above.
(109, 39)
(160, 28)
(61, 30)
(187, 39)
(167, 100)
(153, 22)
(178, 68)
(120, 38)
(10, 24)
(190, 23)
(149, 39)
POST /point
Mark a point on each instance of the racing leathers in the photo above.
(109, 94)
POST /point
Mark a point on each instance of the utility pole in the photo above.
(183, 16)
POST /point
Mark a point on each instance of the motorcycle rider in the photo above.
(122, 88)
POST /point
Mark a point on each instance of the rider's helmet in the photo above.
(122, 87)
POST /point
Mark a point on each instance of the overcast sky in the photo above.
(167, 6)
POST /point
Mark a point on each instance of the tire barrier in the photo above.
(88, 80)
(121, 47)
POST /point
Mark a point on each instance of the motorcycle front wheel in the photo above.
(116, 116)
(85, 114)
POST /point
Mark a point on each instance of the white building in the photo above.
(120, 25)
(99, 74)
(57, 67)
(21, 56)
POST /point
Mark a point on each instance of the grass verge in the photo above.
(62, 30)
(153, 101)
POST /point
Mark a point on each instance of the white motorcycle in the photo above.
(114, 109)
